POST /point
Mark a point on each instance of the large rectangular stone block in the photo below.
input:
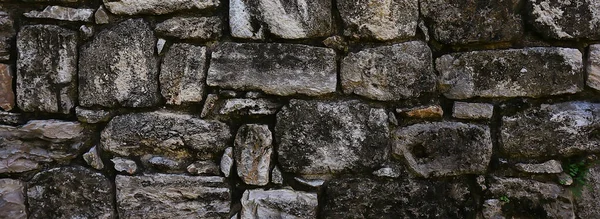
(157, 7)
(564, 20)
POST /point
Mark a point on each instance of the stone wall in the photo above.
(299, 109)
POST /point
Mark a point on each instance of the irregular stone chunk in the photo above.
(191, 28)
(172, 196)
(280, 69)
(588, 204)
(101, 16)
(126, 79)
(70, 192)
(46, 69)
(124, 165)
(593, 67)
(381, 20)
(157, 7)
(253, 19)
(387, 172)
(492, 209)
(324, 137)
(7, 33)
(565, 19)
(385, 73)
(164, 164)
(551, 130)
(30, 146)
(63, 14)
(463, 110)
(93, 159)
(464, 22)
(240, 107)
(444, 148)
(424, 112)
(11, 118)
(529, 72)
(203, 168)
(93, 116)
(86, 31)
(276, 176)
(160, 45)
(551, 166)
(7, 96)
(253, 149)
(12, 199)
(337, 43)
(280, 203)
(182, 74)
(316, 183)
(227, 161)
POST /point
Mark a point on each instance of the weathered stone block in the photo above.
(12, 199)
(93, 116)
(381, 20)
(191, 28)
(530, 72)
(396, 72)
(280, 203)
(551, 166)
(46, 69)
(253, 148)
(182, 74)
(63, 13)
(588, 204)
(423, 112)
(7, 96)
(219, 108)
(464, 110)
(558, 19)
(323, 137)
(280, 69)
(157, 7)
(128, 77)
(7, 33)
(593, 67)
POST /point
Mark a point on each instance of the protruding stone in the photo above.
(423, 112)
(386, 73)
(86, 31)
(93, 115)
(561, 129)
(191, 28)
(157, 7)
(337, 43)
(253, 149)
(551, 166)
(565, 20)
(7, 33)
(203, 168)
(279, 69)
(511, 73)
(172, 196)
(7, 96)
(227, 161)
(63, 14)
(276, 176)
(93, 159)
(324, 137)
(593, 67)
(128, 78)
(381, 20)
(160, 45)
(464, 110)
(46, 69)
(280, 203)
(240, 107)
(316, 183)
(101, 15)
(284, 19)
(124, 165)
(444, 148)
(182, 74)
(70, 192)
(12, 199)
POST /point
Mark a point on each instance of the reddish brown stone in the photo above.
(7, 96)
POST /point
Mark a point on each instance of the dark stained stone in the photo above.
(157, 7)
(182, 74)
(7, 34)
(557, 19)
(191, 28)
(381, 20)
(7, 96)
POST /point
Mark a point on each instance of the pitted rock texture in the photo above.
(63, 13)
(157, 7)
(380, 20)
(279, 69)
(46, 69)
(588, 204)
(551, 166)
(280, 203)
(70, 192)
(386, 73)
(550, 130)
(593, 67)
(190, 28)
(12, 199)
(235, 107)
(7, 96)
(182, 74)
(172, 196)
(444, 148)
(128, 77)
(471, 21)
(93, 116)
(321, 137)
(253, 19)
(557, 19)
(123, 165)
(253, 151)
(464, 110)
(530, 72)
(7, 34)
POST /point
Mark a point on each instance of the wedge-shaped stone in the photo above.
(558, 19)
(172, 196)
(63, 13)
(12, 197)
(530, 72)
(593, 67)
(381, 20)
(182, 74)
(552, 130)
(253, 148)
(157, 7)
(280, 203)
(191, 28)
(279, 69)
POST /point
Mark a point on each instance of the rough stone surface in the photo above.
(227, 161)
(93, 116)
(337, 43)
(191, 28)
(385, 73)
(253, 19)
(280, 203)
(124, 165)
(387, 172)
(280, 69)
(316, 183)
(444, 148)
(423, 112)
(319, 137)
(101, 15)
(240, 107)
(381, 20)
(511, 73)
(252, 152)
(157, 7)
(464, 110)
(63, 13)
(465, 22)
(593, 67)
(203, 168)
(93, 159)
(38, 142)
(70, 192)
(182, 74)
(551, 166)
(11, 118)
(46, 69)
(126, 79)
(7, 33)
(12, 199)
(588, 204)
(7, 96)
(549, 130)
(172, 196)
(557, 19)
(276, 176)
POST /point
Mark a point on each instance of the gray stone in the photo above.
(7, 96)
(86, 31)
(565, 179)
(240, 107)
(423, 112)
(124, 165)
(164, 164)
(63, 14)
(128, 78)
(172, 196)
(492, 209)
(380, 20)
(444, 148)
(387, 172)
(551, 130)
(280, 203)
(276, 176)
(11, 118)
(7, 33)
(557, 19)
(227, 161)
(316, 183)
(93, 115)
(93, 159)
(203, 168)
(182, 74)
(101, 15)
(254, 94)
(157, 7)
(529, 72)
(70, 192)
(209, 105)
(337, 43)
(588, 204)
(466, 22)
(12, 199)
(324, 137)
(593, 67)
(39, 142)
(254, 19)
(464, 110)
(551, 166)
(46, 69)
(190, 28)
(385, 73)
(279, 69)
(253, 147)
(160, 45)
